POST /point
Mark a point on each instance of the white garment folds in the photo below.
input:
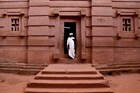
(70, 43)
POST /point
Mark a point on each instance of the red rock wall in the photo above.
(13, 44)
(100, 24)
(127, 48)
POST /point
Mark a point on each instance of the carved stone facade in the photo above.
(35, 31)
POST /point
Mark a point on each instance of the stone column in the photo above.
(83, 35)
(38, 31)
(102, 31)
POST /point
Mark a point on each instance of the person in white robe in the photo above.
(71, 46)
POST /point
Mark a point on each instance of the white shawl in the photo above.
(70, 43)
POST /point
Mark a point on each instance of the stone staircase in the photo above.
(70, 78)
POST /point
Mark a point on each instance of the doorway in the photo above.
(69, 25)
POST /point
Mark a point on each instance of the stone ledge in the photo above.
(21, 68)
(118, 68)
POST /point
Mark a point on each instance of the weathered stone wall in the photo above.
(127, 46)
(102, 31)
(101, 38)
(13, 44)
(38, 31)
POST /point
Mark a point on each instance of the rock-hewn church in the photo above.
(36, 31)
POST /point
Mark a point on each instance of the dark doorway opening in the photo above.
(69, 27)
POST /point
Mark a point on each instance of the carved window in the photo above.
(15, 26)
(127, 21)
(127, 24)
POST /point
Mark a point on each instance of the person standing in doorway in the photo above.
(71, 46)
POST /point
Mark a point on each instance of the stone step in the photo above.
(109, 67)
(20, 71)
(11, 66)
(67, 84)
(102, 70)
(21, 66)
(33, 67)
(131, 70)
(119, 71)
(68, 90)
(67, 61)
(68, 72)
(69, 76)
(10, 70)
(11, 63)
(109, 71)
(119, 66)
(129, 66)
(41, 65)
(29, 71)
(69, 69)
(128, 63)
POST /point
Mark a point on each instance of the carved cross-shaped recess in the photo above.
(14, 24)
(126, 24)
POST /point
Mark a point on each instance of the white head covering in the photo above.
(71, 34)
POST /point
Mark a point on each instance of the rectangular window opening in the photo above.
(126, 24)
(14, 24)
